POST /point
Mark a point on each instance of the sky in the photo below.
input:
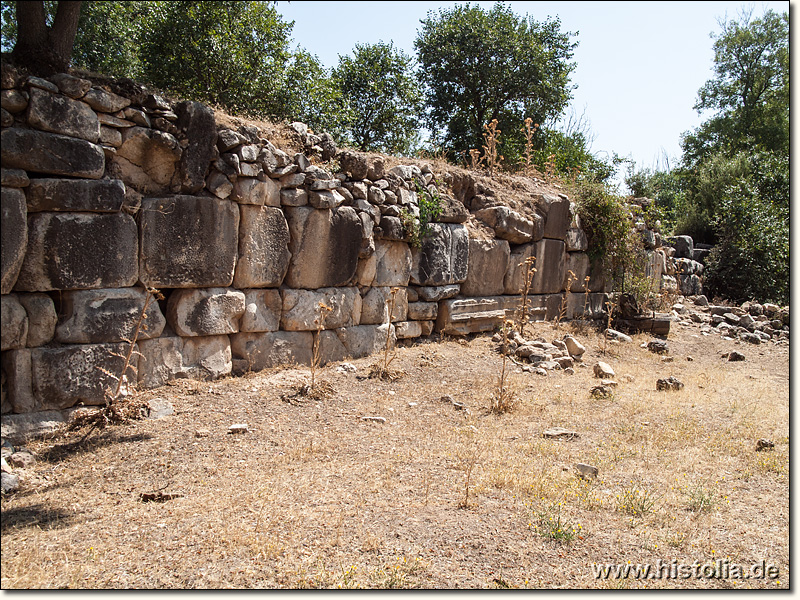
(639, 64)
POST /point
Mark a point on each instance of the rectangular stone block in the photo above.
(263, 247)
(262, 310)
(74, 251)
(265, 350)
(50, 153)
(168, 358)
(423, 311)
(393, 267)
(205, 312)
(462, 316)
(365, 340)
(583, 306)
(260, 192)
(301, 310)
(551, 261)
(188, 242)
(517, 271)
(408, 329)
(79, 195)
(375, 306)
(42, 318)
(443, 256)
(59, 114)
(488, 261)
(13, 236)
(18, 383)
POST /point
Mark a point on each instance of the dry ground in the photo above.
(315, 496)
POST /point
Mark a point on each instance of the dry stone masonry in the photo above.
(109, 190)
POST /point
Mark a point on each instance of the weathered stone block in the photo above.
(576, 240)
(73, 251)
(324, 246)
(331, 348)
(41, 152)
(544, 307)
(488, 261)
(294, 197)
(443, 256)
(509, 224)
(393, 266)
(199, 131)
(175, 242)
(13, 236)
(408, 329)
(366, 270)
(103, 316)
(301, 310)
(78, 195)
(168, 358)
(205, 312)
(423, 311)
(104, 101)
(365, 340)
(264, 350)
(263, 247)
(551, 261)
(375, 306)
(262, 310)
(14, 178)
(462, 316)
(14, 321)
(42, 318)
(390, 228)
(591, 306)
(558, 216)
(74, 87)
(580, 265)
(59, 114)
(684, 246)
(17, 382)
(436, 293)
(517, 271)
(148, 160)
(250, 190)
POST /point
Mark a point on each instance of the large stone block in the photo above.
(198, 129)
(50, 153)
(423, 311)
(591, 306)
(148, 160)
(263, 247)
(103, 316)
(77, 195)
(375, 306)
(365, 340)
(188, 241)
(74, 251)
(511, 225)
(59, 114)
(324, 246)
(517, 271)
(13, 236)
(551, 262)
(558, 216)
(545, 307)
(258, 192)
(262, 311)
(168, 358)
(258, 351)
(576, 240)
(488, 261)
(42, 318)
(17, 382)
(393, 266)
(14, 321)
(462, 316)
(443, 256)
(205, 312)
(301, 308)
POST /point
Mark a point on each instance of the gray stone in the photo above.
(365, 340)
(325, 199)
(488, 261)
(205, 312)
(408, 329)
(375, 306)
(735, 356)
(324, 245)
(14, 319)
(453, 211)
(393, 263)
(301, 308)
(74, 87)
(574, 347)
(260, 351)
(684, 246)
(355, 165)
(13, 236)
(294, 197)
(80, 195)
(586, 306)
(104, 101)
(550, 267)
(462, 316)
(576, 240)
(510, 225)
(436, 293)
(219, 185)
(658, 346)
(515, 277)
(250, 190)
(79, 251)
(558, 216)
(198, 132)
(366, 270)
(42, 318)
(560, 433)
(670, 383)
(168, 358)
(9, 482)
(262, 311)
(613, 334)
(603, 370)
(263, 247)
(391, 228)
(423, 311)
(586, 471)
(13, 101)
(443, 256)
(107, 315)
(49, 153)
(14, 178)
(175, 242)
(148, 160)
(59, 114)
(24, 426)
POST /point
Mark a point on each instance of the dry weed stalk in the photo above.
(114, 410)
(492, 138)
(610, 309)
(324, 309)
(562, 312)
(522, 315)
(503, 400)
(529, 129)
(550, 168)
(383, 371)
(585, 294)
(475, 159)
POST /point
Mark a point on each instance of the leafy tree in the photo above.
(477, 66)
(382, 97)
(226, 53)
(43, 35)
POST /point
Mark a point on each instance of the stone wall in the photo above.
(111, 192)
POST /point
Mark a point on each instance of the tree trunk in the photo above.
(41, 49)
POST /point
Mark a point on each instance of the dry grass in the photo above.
(435, 497)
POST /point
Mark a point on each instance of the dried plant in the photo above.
(475, 159)
(491, 136)
(550, 168)
(503, 399)
(529, 130)
(562, 312)
(324, 309)
(383, 370)
(522, 312)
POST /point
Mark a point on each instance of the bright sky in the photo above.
(639, 64)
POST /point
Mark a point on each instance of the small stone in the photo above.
(670, 383)
(202, 433)
(559, 433)
(763, 444)
(608, 383)
(374, 419)
(689, 358)
(346, 368)
(586, 471)
(735, 356)
(603, 371)
(9, 482)
(238, 428)
(667, 359)
(541, 371)
(21, 460)
(601, 391)
(4, 466)
(159, 408)
(658, 346)
(569, 371)
(613, 334)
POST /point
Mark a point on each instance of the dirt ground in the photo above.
(437, 495)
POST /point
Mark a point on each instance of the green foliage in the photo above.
(478, 66)
(430, 209)
(751, 258)
(382, 98)
(668, 190)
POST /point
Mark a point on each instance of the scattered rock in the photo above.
(603, 371)
(586, 471)
(667, 359)
(734, 356)
(238, 428)
(202, 433)
(763, 444)
(159, 408)
(574, 347)
(346, 368)
(658, 346)
(9, 482)
(374, 419)
(21, 460)
(670, 383)
(559, 433)
(602, 391)
(613, 334)
(541, 371)
(608, 383)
